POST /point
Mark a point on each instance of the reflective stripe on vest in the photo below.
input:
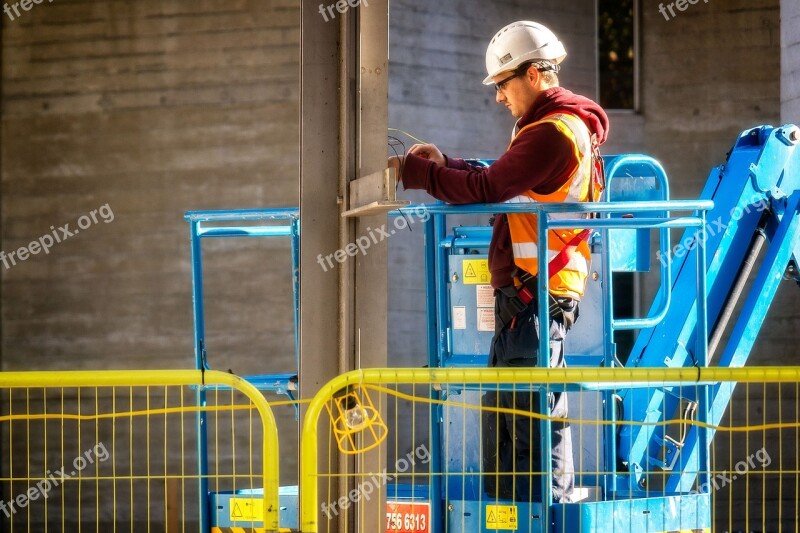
(570, 281)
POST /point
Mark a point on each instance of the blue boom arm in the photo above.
(756, 195)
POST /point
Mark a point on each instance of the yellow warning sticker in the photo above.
(501, 517)
(476, 272)
(246, 509)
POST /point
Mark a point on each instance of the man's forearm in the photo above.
(451, 185)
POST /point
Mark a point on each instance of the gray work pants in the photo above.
(512, 443)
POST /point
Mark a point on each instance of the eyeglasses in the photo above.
(501, 85)
(521, 71)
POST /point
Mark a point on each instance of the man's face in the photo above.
(518, 93)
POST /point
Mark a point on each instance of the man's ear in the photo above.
(534, 76)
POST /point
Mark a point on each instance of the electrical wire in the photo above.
(393, 142)
(408, 135)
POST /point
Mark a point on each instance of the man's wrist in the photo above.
(415, 171)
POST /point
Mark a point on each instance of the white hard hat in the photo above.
(520, 42)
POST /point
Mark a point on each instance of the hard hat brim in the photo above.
(512, 65)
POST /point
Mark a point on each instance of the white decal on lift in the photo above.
(485, 295)
(459, 317)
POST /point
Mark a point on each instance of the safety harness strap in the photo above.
(561, 259)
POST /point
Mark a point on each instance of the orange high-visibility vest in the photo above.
(569, 281)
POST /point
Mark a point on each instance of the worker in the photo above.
(552, 157)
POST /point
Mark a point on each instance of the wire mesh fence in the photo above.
(406, 450)
(84, 456)
(469, 450)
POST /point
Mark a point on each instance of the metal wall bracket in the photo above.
(374, 194)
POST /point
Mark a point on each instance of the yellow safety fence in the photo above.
(115, 451)
(118, 451)
(750, 472)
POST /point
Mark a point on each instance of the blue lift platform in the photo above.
(749, 207)
(643, 479)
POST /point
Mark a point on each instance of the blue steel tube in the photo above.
(200, 395)
(544, 362)
(295, 230)
(648, 206)
(701, 339)
(442, 303)
(639, 159)
(702, 313)
(440, 226)
(431, 241)
(664, 294)
(246, 231)
(632, 223)
(609, 361)
(239, 215)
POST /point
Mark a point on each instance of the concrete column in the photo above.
(319, 215)
(790, 61)
(344, 115)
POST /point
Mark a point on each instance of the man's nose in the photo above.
(499, 97)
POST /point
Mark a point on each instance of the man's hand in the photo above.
(429, 152)
(396, 162)
(425, 151)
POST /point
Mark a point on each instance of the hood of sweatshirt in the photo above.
(558, 99)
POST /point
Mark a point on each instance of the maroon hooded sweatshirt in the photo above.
(540, 159)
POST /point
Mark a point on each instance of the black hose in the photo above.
(738, 285)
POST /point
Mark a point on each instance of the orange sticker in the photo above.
(408, 517)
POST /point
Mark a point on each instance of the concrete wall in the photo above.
(707, 74)
(153, 107)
